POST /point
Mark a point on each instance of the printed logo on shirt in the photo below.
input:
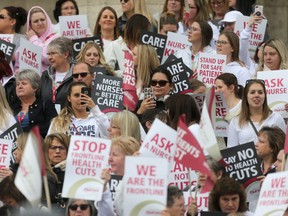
(87, 130)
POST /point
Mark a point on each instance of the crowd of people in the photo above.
(54, 100)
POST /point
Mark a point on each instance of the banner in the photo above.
(86, 158)
(78, 44)
(107, 93)
(7, 48)
(210, 66)
(30, 56)
(145, 185)
(74, 27)
(156, 40)
(273, 196)
(276, 83)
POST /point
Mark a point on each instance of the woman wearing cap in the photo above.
(229, 20)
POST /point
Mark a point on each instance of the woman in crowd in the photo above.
(219, 8)
(115, 52)
(74, 119)
(254, 115)
(81, 207)
(56, 80)
(31, 110)
(93, 55)
(228, 44)
(270, 142)
(107, 25)
(127, 8)
(11, 20)
(228, 196)
(197, 86)
(141, 8)
(39, 32)
(124, 123)
(199, 35)
(168, 23)
(64, 8)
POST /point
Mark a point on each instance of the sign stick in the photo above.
(126, 119)
(47, 194)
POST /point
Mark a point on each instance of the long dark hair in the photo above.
(19, 14)
(230, 79)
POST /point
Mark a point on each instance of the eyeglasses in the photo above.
(218, 42)
(52, 53)
(125, 1)
(192, 29)
(82, 75)
(161, 83)
(256, 81)
(83, 207)
(54, 148)
(2, 16)
(217, 3)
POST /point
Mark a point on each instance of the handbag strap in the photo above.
(253, 126)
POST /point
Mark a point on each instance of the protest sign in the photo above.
(107, 93)
(188, 70)
(86, 158)
(7, 48)
(7, 37)
(160, 141)
(257, 32)
(221, 125)
(145, 185)
(179, 177)
(209, 213)
(276, 83)
(201, 200)
(78, 44)
(30, 56)
(199, 99)
(156, 40)
(5, 152)
(74, 27)
(273, 196)
(113, 184)
(174, 43)
(242, 162)
(99, 70)
(210, 67)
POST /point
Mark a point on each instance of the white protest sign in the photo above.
(145, 185)
(30, 56)
(201, 200)
(5, 152)
(276, 83)
(159, 142)
(87, 156)
(7, 37)
(210, 66)
(174, 43)
(221, 125)
(273, 195)
(257, 34)
(74, 27)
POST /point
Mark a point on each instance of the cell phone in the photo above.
(259, 10)
(87, 91)
(148, 93)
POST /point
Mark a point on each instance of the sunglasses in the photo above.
(125, 1)
(83, 207)
(82, 75)
(161, 83)
(256, 81)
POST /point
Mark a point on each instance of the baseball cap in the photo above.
(230, 17)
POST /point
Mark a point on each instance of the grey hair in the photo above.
(63, 45)
(30, 75)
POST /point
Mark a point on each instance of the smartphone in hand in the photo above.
(87, 91)
(259, 10)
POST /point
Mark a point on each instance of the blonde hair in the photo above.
(127, 144)
(21, 141)
(5, 110)
(141, 8)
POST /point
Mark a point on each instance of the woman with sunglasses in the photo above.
(228, 44)
(77, 207)
(254, 115)
(56, 79)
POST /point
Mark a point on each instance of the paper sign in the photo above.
(86, 158)
(201, 200)
(221, 125)
(257, 34)
(74, 27)
(113, 184)
(174, 43)
(5, 152)
(276, 83)
(78, 44)
(145, 185)
(30, 56)
(7, 37)
(210, 66)
(273, 196)
(7, 48)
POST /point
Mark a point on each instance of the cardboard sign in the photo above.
(273, 196)
(257, 34)
(113, 184)
(276, 83)
(107, 93)
(210, 66)
(86, 158)
(5, 152)
(30, 56)
(174, 43)
(74, 27)
(201, 200)
(7, 48)
(243, 163)
(145, 185)
(179, 177)
(221, 125)
(78, 44)
(160, 142)
(156, 40)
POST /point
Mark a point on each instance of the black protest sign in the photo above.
(107, 93)
(187, 69)
(8, 49)
(209, 213)
(79, 43)
(179, 77)
(242, 162)
(99, 70)
(113, 184)
(156, 40)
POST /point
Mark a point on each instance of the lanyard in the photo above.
(21, 117)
